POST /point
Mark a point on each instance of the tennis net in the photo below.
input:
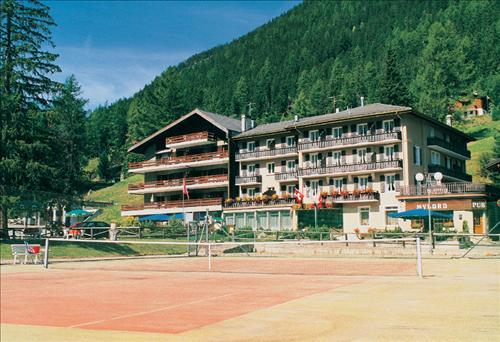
(305, 257)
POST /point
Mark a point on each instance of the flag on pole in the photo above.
(320, 201)
(185, 191)
(299, 196)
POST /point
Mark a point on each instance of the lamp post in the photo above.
(419, 178)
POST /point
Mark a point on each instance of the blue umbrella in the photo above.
(78, 212)
(419, 214)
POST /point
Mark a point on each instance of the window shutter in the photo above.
(283, 162)
(330, 181)
(256, 143)
(379, 124)
(353, 128)
(296, 162)
(307, 157)
(243, 167)
(356, 180)
(344, 181)
(283, 140)
(414, 154)
(382, 178)
(257, 166)
(320, 155)
(397, 122)
(354, 151)
(308, 183)
(381, 149)
(283, 188)
(343, 152)
(370, 179)
(369, 149)
(344, 129)
(396, 148)
(306, 134)
(243, 191)
(397, 177)
(329, 131)
(320, 182)
(330, 154)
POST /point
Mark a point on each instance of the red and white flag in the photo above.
(320, 201)
(185, 191)
(299, 196)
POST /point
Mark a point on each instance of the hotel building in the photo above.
(360, 163)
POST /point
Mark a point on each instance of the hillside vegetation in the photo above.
(317, 56)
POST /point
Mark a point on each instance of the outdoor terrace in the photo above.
(189, 140)
(176, 184)
(456, 149)
(459, 189)
(201, 202)
(208, 158)
(286, 176)
(351, 139)
(351, 168)
(248, 178)
(267, 153)
(450, 173)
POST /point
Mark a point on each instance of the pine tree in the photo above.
(25, 86)
(392, 88)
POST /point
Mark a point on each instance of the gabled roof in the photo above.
(274, 127)
(224, 123)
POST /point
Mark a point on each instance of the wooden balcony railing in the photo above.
(455, 173)
(459, 148)
(200, 202)
(190, 137)
(324, 170)
(180, 160)
(352, 140)
(179, 182)
(443, 189)
(266, 153)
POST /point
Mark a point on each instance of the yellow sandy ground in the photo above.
(459, 300)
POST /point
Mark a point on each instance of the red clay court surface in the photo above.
(149, 296)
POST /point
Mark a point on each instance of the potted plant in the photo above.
(265, 198)
(258, 198)
(356, 192)
(238, 199)
(324, 194)
(287, 196)
(344, 193)
(329, 205)
(229, 201)
(335, 193)
(274, 197)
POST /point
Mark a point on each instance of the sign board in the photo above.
(452, 204)
(478, 204)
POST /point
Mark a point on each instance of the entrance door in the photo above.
(478, 218)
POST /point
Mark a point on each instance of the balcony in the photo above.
(450, 173)
(454, 189)
(354, 140)
(177, 204)
(286, 176)
(202, 159)
(177, 184)
(458, 150)
(351, 168)
(259, 201)
(248, 178)
(190, 140)
(264, 154)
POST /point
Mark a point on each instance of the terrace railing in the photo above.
(442, 189)
(248, 177)
(450, 172)
(350, 140)
(189, 137)
(288, 175)
(265, 153)
(179, 182)
(180, 159)
(454, 147)
(324, 170)
(175, 204)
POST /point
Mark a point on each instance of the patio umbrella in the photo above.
(156, 217)
(419, 214)
(78, 212)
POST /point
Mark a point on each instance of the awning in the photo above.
(78, 212)
(419, 214)
(161, 217)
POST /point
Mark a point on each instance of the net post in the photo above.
(46, 254)
(419, 258)
(209, 256)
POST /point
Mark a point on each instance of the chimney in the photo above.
(246, 123)
(362, 101)
(296, 118)
(252, 123)
(449, 120)
(337, 110)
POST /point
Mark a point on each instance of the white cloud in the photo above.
(112, 73)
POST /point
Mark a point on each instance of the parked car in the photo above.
(85, 230)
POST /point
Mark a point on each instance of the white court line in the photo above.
(150, 311)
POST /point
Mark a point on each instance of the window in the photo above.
(314, 188)
(270, 168)
(262, 219)
(363, 182)
(364, 216)
(314, 160)
(337, 132)
(391, 221)
(338, 183)
(431, 132)
(435, 158)
(270, 144)
(361, 155)
(389, 152)
(290, 141)
(290, 166)
(362, 129)
(388, 125)
(286, 220)
(229, 219)
(251, 170)
(290, 189)
(239, 220)
(336, 158)
(390, 182)
(250, 146)
(274, 220)
(417, 155)
(251, 220)
(251, 192)
(448, 162)
(314, 135)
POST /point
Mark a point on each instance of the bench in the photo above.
(27, 251)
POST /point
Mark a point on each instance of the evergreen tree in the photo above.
(392, 88)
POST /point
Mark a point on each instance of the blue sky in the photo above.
(114, 48)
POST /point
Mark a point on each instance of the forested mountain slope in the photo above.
(424, 54)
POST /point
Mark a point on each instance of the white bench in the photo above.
(27, 251)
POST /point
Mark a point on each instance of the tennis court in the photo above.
(242, 295)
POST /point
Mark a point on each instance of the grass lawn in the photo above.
(117, 194)
(68, 249)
